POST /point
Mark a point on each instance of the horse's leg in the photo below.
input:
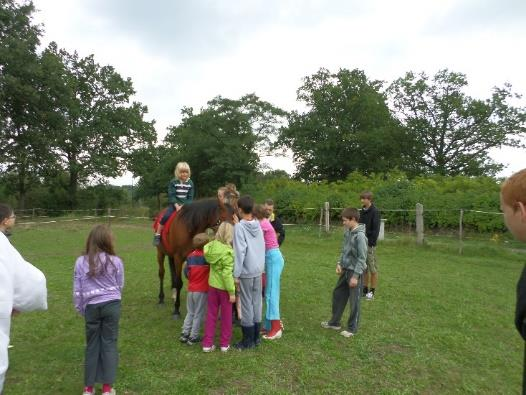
(176, 265)
(160, 263)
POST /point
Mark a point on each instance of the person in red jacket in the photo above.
(197, 271)
(513, 205)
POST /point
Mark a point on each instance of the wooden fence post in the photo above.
(327, 217)
(419, 224)
(460, 231)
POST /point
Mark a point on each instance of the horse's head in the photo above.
(225, 213)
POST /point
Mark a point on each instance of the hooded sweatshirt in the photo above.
(221, 259)
(249, 249)
(354, 250)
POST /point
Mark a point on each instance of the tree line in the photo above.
(67, 123)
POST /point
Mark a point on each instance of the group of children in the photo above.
(236, 259)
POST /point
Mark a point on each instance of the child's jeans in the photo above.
(169, 210)
(102, 330)
(218, 299)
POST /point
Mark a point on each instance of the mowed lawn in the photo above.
(441, 323)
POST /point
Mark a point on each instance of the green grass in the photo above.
(441, 323)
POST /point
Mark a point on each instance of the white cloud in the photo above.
(183, 54)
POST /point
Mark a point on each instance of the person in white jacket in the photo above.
(22, 286)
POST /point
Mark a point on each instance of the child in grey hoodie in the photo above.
(249, 264)
(350, 269)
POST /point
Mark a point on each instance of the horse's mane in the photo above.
(198, 214)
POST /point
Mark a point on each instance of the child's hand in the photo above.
(178, 206)
(232, 298)
(338, 269)
(353, 282)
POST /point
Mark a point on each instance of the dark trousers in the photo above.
(341, 295)
(102, 330)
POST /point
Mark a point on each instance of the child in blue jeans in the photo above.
(97, 288)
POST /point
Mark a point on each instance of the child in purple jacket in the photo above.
(97, 287)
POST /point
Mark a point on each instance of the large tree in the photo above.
(347, 127)
(223, 142)
(24, 151)
(97, 126)
(454, 132)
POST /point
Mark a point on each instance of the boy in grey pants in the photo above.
(249, 264)
(350, 269)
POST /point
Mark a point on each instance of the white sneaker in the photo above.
(225, 349)
(112, 392)
(369, 296)
(209, 349)
(346, 334)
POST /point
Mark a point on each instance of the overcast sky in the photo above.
(184, 53)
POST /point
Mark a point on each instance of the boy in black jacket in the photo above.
(370, 217)
(513, 205)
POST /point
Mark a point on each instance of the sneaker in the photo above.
(346, 334)
(184, 338)
(225, 349)
(156, 240)
(369, 296)
(193, 340)
(88, 393)
(209, 349)
(112, 392)
(327, 325)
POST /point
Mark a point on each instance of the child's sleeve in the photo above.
(191, 192)
(240, 250)
(120, 275)
(186, 271)
(361, 255)
(520, 308)
(77, 290)
(226, 272)
(172, 192)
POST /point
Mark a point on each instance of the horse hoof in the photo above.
(160, 304)
(176, 316)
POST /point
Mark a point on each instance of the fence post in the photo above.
(460, 230)
(109, 216)
(327, 217)
(321, 222)
(381, 234)
(419, 224)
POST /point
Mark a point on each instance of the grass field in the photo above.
(441, 323)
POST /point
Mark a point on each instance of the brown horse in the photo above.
(192, 219)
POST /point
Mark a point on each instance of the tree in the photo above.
(453, 131)
(97, 126)
(24, 149)
(154, 166)
(347, 127)
(222, 142)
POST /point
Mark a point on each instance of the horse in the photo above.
(193, 218)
